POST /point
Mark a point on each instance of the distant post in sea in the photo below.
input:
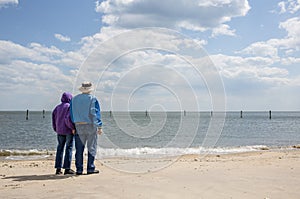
(110, 113)
(43, 113)
(211, 113)
(241, 114)
(270, 114)
(146, 113)
(184, 113)
(27, 113)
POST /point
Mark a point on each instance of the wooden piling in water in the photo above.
(270, 114)
(43, 113)
(27, 113)
(241, 114)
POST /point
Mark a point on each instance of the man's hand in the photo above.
(99, 131)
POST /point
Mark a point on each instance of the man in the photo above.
(85, 113)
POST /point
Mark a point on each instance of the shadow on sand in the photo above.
(37, 177)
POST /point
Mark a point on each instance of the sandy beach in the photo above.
(265, 174)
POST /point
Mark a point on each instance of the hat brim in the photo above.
(86, 90)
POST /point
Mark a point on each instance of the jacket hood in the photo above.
(66, 97)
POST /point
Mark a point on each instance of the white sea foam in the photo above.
(165, 152)
(22, 157)
(144, 152)
(24, 154)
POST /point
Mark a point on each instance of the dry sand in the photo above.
(267, 174)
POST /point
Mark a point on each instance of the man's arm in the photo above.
(96, 113)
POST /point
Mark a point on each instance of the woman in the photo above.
(65, 129)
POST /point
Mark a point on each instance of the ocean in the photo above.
(141, 134)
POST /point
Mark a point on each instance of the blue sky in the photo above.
(254, 45)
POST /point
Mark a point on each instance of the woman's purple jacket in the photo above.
(61, 120)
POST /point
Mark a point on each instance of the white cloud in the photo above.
(141, 48)
(190, 26)
(49, 52)
(10, 51)
(272, 48)
(261, 75)
(166, 40)
(62, 38)
(261, 49)
(290, 60)
(258, 69)
(31, 85)
(24, 77)
(223, 29)
(44, 67)
(213, 3)
(294, 6)
(291, 6)
(192, 15)
(281, 5)
(5, 3)
(36, 52)
(33, 74)
(292, 40)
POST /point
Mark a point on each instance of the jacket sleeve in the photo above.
(68, 121)
(71, 112)
(54, 120)
(95, 112)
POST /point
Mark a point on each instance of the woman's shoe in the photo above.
(58, 172)
(69, 171)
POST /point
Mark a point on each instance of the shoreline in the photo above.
(145, 152)
(259, 174)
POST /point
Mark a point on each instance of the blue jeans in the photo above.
(64, 140)
(85, 134)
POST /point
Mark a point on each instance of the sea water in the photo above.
(141, 134)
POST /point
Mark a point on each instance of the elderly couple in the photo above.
(83, 114)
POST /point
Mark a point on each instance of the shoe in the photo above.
(93, 172)
(78, 173)
(69, 171)
(58, 172)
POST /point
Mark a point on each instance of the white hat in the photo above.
(86, 87)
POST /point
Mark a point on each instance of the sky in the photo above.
(152, 55)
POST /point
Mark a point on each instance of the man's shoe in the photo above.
(93, 172)
(78, 173)
(58, 172)
(69, 171)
